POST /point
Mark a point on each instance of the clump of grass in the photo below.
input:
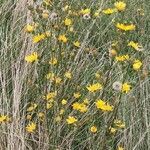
(74, 75)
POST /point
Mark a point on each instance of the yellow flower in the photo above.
(32, 107)
(68, 75)
(64, 102)
(119, 123)
(126, 87)
(122, 58)
(125, 27)
(71, 29)
(47, 2)
(47, 33)
(97, 75)
(66, 8)
(62, 38)
(79, 106)
(120, 6)
(50, 76)
(3, 118)
(85, 11)
(29, 28)
(114, 44)
(77, 95)
(137, 65)
(71, 120)
(109, 11)
(51, 95)
(41, 114)
(100, 104)
(38, 38)
(31, 127)
(61, 111)
(86, 101)
(93, 129)
(32, 57)
(45, 14)
(135, 45)
(29, 117)
(68, 22)
(112, 52)
(53, 61)
(49, 105)
(113, 130)
(58, 118)
(58, 80)
(76, 106)
(77, 44)
(95, 87)
(96, 14)
(120, 148)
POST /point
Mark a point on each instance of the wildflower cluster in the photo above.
(83, 62)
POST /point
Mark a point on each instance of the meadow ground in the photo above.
(74, 75)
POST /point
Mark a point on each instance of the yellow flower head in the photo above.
(62, 38)
(71, 29)
(93, 129)
(47, 2)
(32, 107)
(113, 130)
(96, 14)
(126, 87)
(76, 44)
(47, 33)
(122, 58)
(45, 14)
(125, 27)
(64, 102)
(80, 107)
(85, 11)
(109, 11)
(3, 118)
(50, 76)
(58, 118)
(94, 87)
(71, 120)
(58, 80)
(120, 6)
(137, 65)
(65, 8)
(119, 123)
(112, 52)
(41, 114)
(100, 104)
(86, 101)
(97, 75)
(49, 105)
(31, 127)
(29, 28)
(68, 22)
(68, 75)
(77, 95)
(32, 57)
(61, 111)
(38, 38)
(120, 148)
(135, 45)
(29, 117)
(51, 95)
(53, 61)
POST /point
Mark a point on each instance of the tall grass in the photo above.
(22, 83)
